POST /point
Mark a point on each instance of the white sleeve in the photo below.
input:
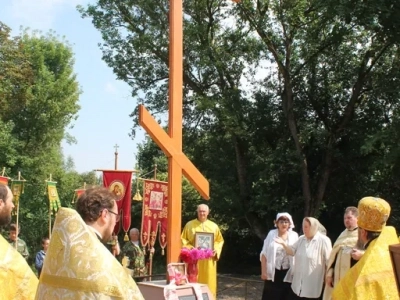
(267, 242)
(326, 249)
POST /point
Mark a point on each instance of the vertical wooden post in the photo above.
(175, 128)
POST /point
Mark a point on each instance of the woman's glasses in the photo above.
(283, 222)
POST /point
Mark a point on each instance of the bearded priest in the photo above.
(78, 265)
(18, 282)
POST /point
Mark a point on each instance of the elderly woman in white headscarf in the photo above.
(311, 253)
(276, 264)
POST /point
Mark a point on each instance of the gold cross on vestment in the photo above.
(171, 143)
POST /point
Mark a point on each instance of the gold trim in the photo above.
(116, 171)
(153, 180)
(81, 285)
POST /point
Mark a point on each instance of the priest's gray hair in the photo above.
(133, 230)
(203, 206)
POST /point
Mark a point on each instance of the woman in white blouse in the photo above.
(311, 253)
(276, 265)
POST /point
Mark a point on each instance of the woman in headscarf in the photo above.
(311, 253)
(276, 264)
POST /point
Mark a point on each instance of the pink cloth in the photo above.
(177, 278)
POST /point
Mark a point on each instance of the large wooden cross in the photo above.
(171, 143)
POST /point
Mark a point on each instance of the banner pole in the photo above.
(49, 220)
(151, 254)
(49, 212)
(116, 157)
(16, 240)
(4, 170)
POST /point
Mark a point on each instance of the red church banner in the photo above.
(79, 192)
(119, 183)
(4, 180)
(155, 212)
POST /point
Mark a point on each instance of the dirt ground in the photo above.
(239, 287)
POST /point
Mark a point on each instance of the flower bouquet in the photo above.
(191, 257)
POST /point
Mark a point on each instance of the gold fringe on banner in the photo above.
(126, 237)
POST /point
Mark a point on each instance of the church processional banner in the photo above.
(54, 199)
(155, 212)
(120, 183)
(17, 188)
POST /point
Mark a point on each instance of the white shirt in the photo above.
(309, 271)
(282, 259)
(269, 251)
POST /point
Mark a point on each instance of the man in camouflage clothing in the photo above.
(21, 246)
(134, 252)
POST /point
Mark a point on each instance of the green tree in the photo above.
(42, 122)
(8, 144)
(15, 72)
(326, 80)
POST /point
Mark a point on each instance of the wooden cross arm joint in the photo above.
(166, 143)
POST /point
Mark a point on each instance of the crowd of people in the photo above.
(22, 248)
(80, 263)
(75, 264)
(358, 266)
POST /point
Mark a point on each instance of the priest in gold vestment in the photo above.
(17, 280)
(207, 267)
(78, 265)
(372, 277)
(340, 260)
